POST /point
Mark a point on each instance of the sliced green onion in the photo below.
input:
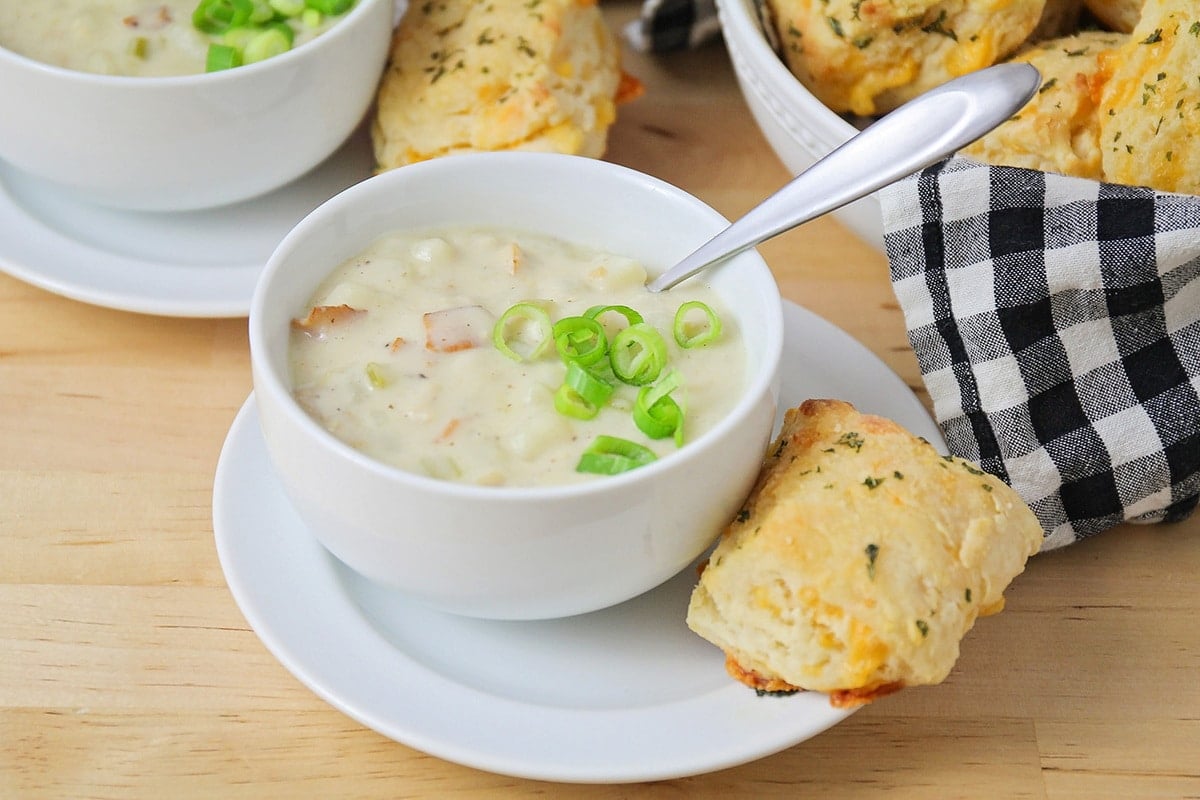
(656, 413)
(238, 38)
(311, 18)
(587, 384)
(138, 46)
(262, 13)
(288, 8)
(218, 16)
(222, 56)
(330, 7)
(580, 340)
(688, 332)
(638, 354)
(610, 455)
(272, 41)
(523, 322)
(571, 403)
(631, 317)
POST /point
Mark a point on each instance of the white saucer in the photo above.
(183, 264)
(621, 695)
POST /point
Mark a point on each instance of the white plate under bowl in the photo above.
(620, 695)
(181, 264)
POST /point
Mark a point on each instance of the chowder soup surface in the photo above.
(394, 355)
(116, 37)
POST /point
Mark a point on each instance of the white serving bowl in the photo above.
(193, 141)
(798, 126)
(505, 552)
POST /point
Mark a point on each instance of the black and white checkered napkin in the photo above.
(1057, 326)
(665, 25)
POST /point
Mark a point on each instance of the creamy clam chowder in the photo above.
(146, 38)
(396, 355)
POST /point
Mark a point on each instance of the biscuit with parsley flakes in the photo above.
(1150, 105)
(541, 75)
(1059, 129)
(866, 57)
(860, 560)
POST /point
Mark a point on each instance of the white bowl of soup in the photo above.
(413, 406)
(111, 100)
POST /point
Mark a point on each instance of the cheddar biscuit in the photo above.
(1059, 129)
(501, 75)
(868, 56)
(860, 560)
(1150, 106)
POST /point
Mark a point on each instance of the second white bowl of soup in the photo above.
(109, 100)
(416, 412)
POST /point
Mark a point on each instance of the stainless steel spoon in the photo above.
(921, 132)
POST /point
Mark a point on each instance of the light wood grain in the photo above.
(127, 671)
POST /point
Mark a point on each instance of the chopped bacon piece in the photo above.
(454, 329)
(153, 19)
(321, 318)
(397, 343)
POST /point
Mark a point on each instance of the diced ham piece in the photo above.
(461, 328)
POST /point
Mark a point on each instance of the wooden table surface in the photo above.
(127, 670)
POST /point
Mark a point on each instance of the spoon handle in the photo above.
(921, 132)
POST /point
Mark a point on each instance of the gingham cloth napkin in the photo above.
(1057, 326)
(665, 25)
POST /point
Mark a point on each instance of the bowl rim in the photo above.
(763, 381)
(132, 82)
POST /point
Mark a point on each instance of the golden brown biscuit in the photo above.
(1117, 15)
(1150, 106)
(1059, 129)
(869, 56)
(501, 75)
(860, 560)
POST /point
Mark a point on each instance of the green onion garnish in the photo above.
(580, 340)
(138, 46)
(582, 393)
(222, 56)
(656, 413)
(262, 13)
(571, 403)
(587, 384)
(631, 317)
(257, 29)
(218, 16)
(638, 354)
(523, 322)
(610, 455)
(272, 41)
(688, 332)
(331, 7)
(288, 8)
